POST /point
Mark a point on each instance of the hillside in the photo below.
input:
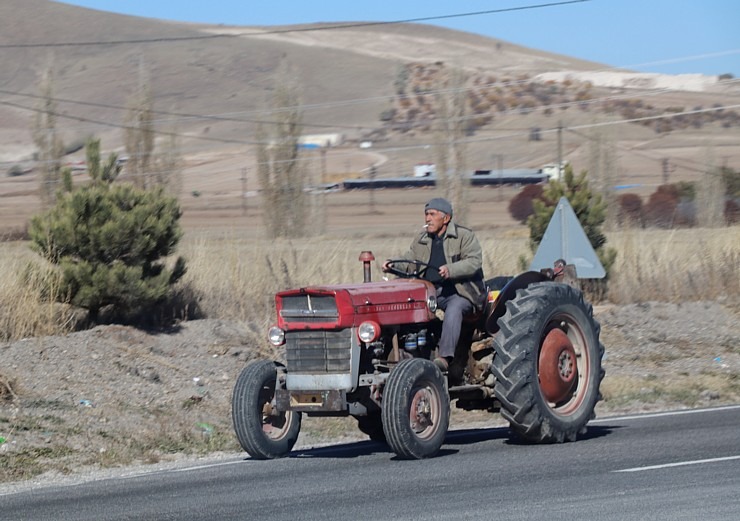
(211, 84)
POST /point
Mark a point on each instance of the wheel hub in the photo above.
(421, 411)
(558, 370)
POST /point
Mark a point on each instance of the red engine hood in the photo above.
(400, 301)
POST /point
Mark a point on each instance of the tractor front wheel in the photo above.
(262, 431)
(416, 409)
(548, 363)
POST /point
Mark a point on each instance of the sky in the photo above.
(665, 36)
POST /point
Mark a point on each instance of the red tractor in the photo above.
(365, 350)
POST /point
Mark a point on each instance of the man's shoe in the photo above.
(455, 374)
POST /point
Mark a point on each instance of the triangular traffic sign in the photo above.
(565, 239)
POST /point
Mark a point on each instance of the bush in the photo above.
(520, 206)
(109, 242)
(660, 210)
(732, 212)
(630, 209)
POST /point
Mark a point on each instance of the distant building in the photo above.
(552, 171)
(425, 170)
(320, 140)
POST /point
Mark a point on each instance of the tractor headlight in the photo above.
(368, 332)
(432, 303)
(276, 336)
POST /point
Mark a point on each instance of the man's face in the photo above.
(436, 221)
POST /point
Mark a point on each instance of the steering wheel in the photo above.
(419, 269)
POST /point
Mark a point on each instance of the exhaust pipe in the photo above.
(366, 257)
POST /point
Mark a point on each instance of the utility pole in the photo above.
(560, 150)
(322, 151)
(372, 189)
(500, 167)
(244, 191)
(667, 169)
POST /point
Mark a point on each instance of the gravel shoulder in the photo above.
(118, 397)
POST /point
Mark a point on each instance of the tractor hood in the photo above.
(399, 301)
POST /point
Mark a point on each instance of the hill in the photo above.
(211, 84)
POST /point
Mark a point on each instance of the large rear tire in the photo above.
(548, 363)
(263, 432)
(416, 409)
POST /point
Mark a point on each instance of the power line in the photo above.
(119, 126)
(225, 117)
(184, 115)
(410, 147)
(352, 25)
(647, 155)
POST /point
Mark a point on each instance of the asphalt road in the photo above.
(682, 465)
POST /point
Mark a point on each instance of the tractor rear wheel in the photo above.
(261, 430)
(548, 363)
(416, 409)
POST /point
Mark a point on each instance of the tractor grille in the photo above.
(317, 352)
(309, 308)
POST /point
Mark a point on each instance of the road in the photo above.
(681, 465)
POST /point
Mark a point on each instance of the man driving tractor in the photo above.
(454, 261)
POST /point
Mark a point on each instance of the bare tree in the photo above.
(603, 169)
(710, 196)
(139, 132)
(280, 171)
(451, 166)
(167, 164)
(47, 140)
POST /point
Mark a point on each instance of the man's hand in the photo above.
(444, 272)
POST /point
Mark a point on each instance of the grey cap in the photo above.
(438, 203)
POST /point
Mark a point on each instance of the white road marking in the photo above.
(678, 464)
(206, 466)
(661, 414)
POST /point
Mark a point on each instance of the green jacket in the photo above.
(464, 260)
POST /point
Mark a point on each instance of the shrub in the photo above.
(630, 209)
(15, 171)
(520, 206)
(660, 210)
(732, 212)
(109, 241)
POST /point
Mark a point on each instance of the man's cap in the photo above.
(441, 204)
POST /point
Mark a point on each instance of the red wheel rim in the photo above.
(558, 369)
(424, 412)
(563, 365)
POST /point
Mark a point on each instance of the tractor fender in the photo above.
(496, 308)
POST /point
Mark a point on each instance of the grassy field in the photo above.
(233, 277)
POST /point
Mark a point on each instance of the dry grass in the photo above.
(689, 390)
(236, 278)
(675, 265)
(24, 283)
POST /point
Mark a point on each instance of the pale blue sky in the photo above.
(668, 36)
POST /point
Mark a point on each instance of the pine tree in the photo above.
(590, 209)
(110, 241)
